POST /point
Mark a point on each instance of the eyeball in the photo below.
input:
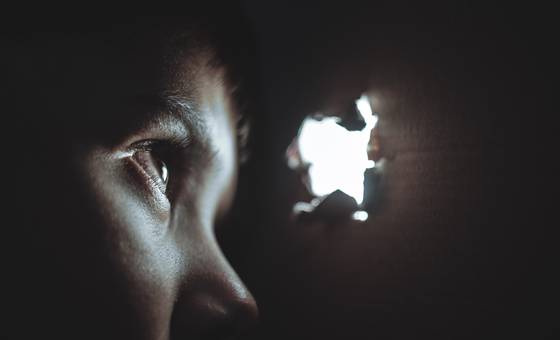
(164, 172)
(155, 169)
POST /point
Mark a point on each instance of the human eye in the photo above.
(152, 158)
(162, 160)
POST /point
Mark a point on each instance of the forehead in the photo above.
(136, 62)
(118, 78)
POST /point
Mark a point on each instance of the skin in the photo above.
(115, 252)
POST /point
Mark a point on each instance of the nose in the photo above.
(213, 303)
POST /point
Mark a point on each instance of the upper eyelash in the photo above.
(153, 144)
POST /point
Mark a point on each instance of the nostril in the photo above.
(237, 322)
(245, 313)
(222, 312)
(233, 317)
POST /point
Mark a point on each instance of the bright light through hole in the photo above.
(337, 157)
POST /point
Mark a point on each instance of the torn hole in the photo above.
(332, 156)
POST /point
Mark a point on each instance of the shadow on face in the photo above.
(134, 163)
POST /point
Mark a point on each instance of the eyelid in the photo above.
(163, 126)
(156, 151)
(173, 142)
(150, 162)
(160, 198)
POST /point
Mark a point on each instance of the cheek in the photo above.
(140, 260)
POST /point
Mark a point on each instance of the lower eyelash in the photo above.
(154, 189)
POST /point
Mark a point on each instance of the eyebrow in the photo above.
(156, 109)
(178, 118)
(161, 116)
(187, 113)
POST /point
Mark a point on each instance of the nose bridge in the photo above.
(213, 300)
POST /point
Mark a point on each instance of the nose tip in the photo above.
(216, 305)
(243, 306)
(235, 308)
(231, 318)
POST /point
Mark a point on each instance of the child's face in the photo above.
(151, 170)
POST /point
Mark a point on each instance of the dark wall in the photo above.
(447, 254)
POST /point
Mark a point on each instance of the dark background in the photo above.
(453, 251)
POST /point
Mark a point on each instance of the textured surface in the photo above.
(444, 256)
